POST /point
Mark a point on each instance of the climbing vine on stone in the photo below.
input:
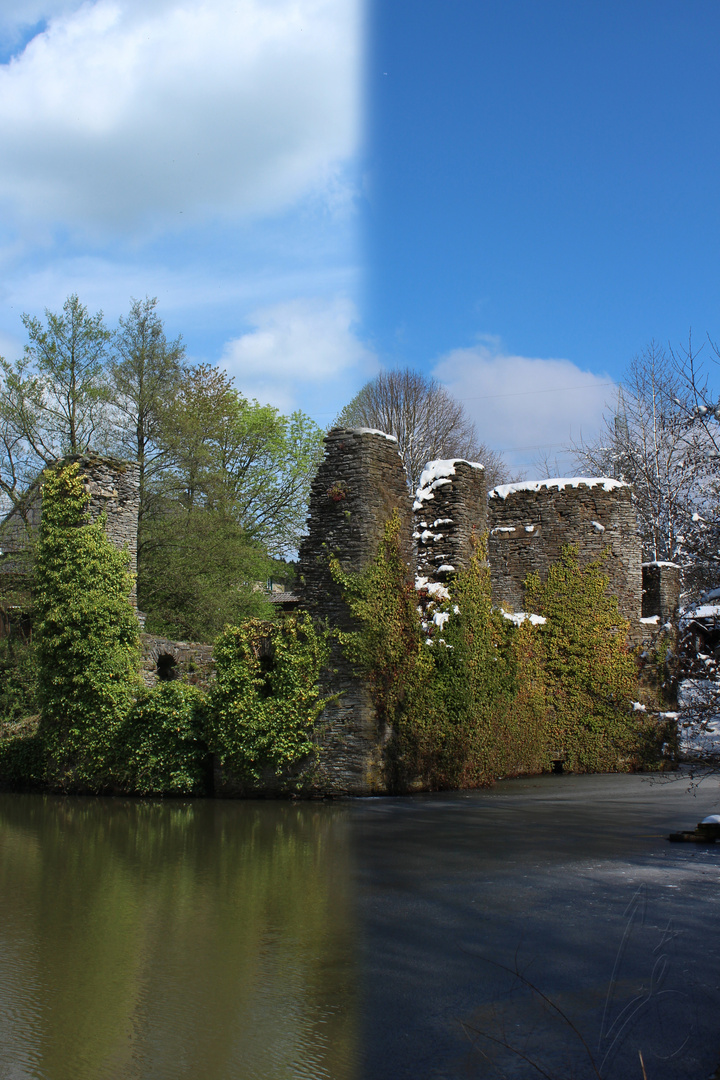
(266, 697)
(589, 675)
(470, 693)
(87, 644)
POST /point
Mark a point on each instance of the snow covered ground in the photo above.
(699, 720)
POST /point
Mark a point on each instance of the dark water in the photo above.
(544, 924)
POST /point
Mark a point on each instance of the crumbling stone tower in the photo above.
(359, 485)
(450, 511)
(661, 585)
(114, 489)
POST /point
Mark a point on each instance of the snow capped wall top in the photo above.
(559, 482)
(442, 468)
(373, 431)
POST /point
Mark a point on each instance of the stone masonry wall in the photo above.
(450, 511)
(661, 584)
(114, 489)
(164, 660)
(530, 523)
(359, 484)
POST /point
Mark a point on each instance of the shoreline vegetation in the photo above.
(468, 692)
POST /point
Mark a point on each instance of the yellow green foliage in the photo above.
(469, 695)
(589, 675)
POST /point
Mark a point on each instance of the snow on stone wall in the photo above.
(530, 523)
(450, 514)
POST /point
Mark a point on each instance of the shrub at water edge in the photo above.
(160, 748)
(266, 698)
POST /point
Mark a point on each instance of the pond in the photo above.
(545, 922)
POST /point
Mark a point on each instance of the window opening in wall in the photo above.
(167, 668)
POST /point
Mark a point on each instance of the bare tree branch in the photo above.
(426, 421)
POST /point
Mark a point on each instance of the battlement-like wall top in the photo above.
(559, 482)
(436, 474)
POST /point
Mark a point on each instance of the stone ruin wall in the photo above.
(358, 486)
(114, 489)
(450, 514)
(529, 524)
(661, 585)
(164, 660)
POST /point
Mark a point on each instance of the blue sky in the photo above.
(544, 187)
(515, 196)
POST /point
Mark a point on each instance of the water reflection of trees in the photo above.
(175, 939)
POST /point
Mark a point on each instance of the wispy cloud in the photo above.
(140, 114)
(527, 407)
(302, 353)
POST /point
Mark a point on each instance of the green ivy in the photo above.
(590, 676)
(387, 647)
(160, 748)
(22, 755)
(18, 682)
(266, 700)
(469, 695)
(87, 636)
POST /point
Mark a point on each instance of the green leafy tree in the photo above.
(86, 635)
(54, 400)
(225, 451)
(232, 493)
(145, 371)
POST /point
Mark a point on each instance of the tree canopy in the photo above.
(224, 481)
(663, 440)
(54, 399)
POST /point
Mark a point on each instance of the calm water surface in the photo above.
(381, 939)
(194, 939)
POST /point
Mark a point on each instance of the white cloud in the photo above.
(302, 352)
(526, 407)
(125, 112)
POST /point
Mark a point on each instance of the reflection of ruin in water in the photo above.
(184, 939)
